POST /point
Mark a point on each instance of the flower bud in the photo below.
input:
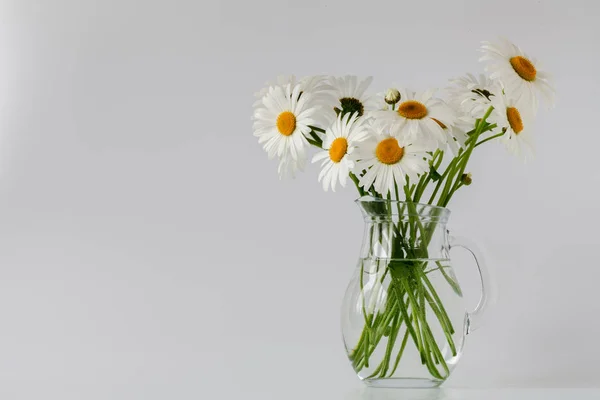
(466, 179)
(392, 96)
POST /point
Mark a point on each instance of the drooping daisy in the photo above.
(340, 141)
(350, 96)
(519, 74)
(517, 120)
(419, 116)
(281, 80)
(455, 135)
(472, 95)
(316, 85)
(288, 167)
(388, 158)
(281, 123)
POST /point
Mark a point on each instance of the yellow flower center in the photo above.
(440, 123)
(388, 151)
(523, 67)
(338, 149)
(514, 119)
(412, 109)
(286, 123)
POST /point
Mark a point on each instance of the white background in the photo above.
(148, 249)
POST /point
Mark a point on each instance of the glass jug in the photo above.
(404, 321)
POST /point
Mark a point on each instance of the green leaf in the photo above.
(435, 176)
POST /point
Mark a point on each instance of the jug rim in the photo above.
(366, 199)
(421, 209)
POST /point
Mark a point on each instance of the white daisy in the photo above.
(517, 120)
(388, 158)
(455, 135)
(316, 85)
(472, 95)
(288, 167)
(281, 80)
(350, 96)
(281, 123)
(416, 115)
(339, 143)
(519, 74)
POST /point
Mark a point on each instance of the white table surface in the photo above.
(427, 394)
(365, 393)
(277, 391)
(474, 394)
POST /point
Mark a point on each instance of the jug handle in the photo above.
(488, 290)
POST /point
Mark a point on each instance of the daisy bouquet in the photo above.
(409, 147)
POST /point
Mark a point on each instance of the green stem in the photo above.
(428, 344)
(419, 321)
(316, 128)
(316, 137)
(366, 349)
(438, 301)
(375, 332)
(443, 320)
(441, 180)
(415, 215)
(365, 315)
(489, 138)
(435, 163)
(356, 181)
(404, 310)
(400, 352)
(450, 281)
(460, 167)
(434, 346)
(356, 352)
(314, 143)
(390, 344)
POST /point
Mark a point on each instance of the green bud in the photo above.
(466, 179)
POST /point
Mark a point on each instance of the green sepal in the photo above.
(435, 176)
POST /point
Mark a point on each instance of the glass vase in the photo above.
(404, 321)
